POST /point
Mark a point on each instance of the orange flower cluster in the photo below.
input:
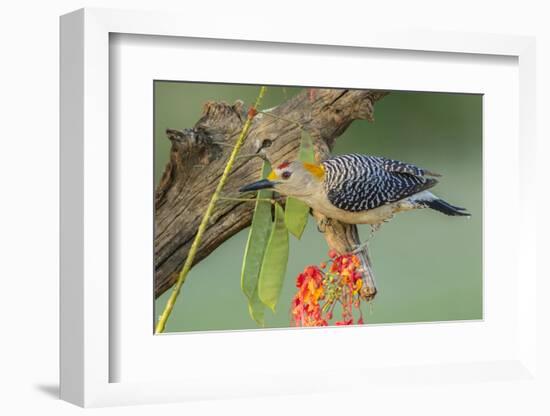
(306, 309)
(319, 292)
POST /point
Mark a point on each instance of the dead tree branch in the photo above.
(198, 156)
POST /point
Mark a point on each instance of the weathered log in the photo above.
(199, 154)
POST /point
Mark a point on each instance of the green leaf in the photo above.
(296, 216)
(297, 212)
(256, 308)
(272, 273)
(258, 237)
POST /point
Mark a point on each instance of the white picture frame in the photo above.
(87, 356)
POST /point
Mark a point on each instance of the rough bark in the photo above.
(198, 156)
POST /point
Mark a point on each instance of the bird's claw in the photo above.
(362, 246)
(323, 224)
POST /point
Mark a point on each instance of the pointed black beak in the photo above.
(256, 186)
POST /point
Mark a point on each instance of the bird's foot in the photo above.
(323, 224)
(364, 245)
(373, 229)
(360, 247)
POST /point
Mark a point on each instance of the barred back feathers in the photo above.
(356, 182)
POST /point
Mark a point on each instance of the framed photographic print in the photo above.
(436, 276)
(233, 206)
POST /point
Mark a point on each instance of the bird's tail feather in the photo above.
(446, 208)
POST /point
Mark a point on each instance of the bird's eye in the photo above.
(286, 174)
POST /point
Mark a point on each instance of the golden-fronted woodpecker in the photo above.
(357, 189)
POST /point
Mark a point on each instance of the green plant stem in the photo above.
(161, 324)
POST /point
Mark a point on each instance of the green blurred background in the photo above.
(428, 266)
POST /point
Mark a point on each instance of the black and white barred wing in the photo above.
(359, 182)
(395, 166)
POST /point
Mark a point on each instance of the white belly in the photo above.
(371, 216)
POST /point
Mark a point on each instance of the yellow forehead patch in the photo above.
(272, 176)
(316, 170)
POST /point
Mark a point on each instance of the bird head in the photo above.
(290, 178)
